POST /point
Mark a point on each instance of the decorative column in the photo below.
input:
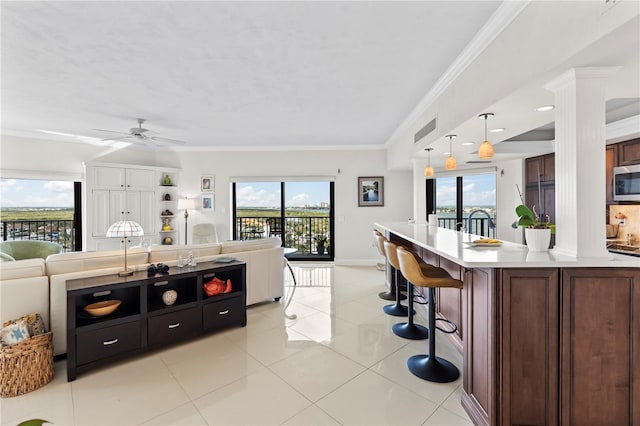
(580, 161)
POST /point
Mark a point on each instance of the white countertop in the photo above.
(455, 246)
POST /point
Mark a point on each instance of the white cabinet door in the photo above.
(141, 208)
(141, 180)
(99, 213)
(117, 206)
(107, 177)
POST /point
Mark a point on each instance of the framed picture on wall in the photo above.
(207, 202)
(370, 191)
(207, 183)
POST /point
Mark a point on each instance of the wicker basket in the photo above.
(26, 366)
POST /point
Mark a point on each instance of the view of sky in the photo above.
(477, 190)
(267, 194)
(35, 193)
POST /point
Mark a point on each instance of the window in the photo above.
(458, 197)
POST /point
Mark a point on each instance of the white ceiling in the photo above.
(266, 74)
(228, 74)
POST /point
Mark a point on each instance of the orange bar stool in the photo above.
(397, 309)
(429, 367)
(391, 293)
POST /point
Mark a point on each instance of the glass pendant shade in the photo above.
(451, 163)
(428, 171)
(485, 150)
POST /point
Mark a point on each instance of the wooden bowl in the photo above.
(100, 309)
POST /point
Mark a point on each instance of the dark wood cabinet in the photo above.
(610, 163)
(528, 309)
(143, 320)
(628, 152)
(600, 347)
(542, 166)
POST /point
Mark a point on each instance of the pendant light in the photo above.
(428, 171)
(486, 149)
(450, 164)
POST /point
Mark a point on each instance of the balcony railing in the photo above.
(300, 232)
(58, 231)
(479, 225)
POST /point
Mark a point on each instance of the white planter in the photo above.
(537, 239)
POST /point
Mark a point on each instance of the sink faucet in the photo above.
(474, 212)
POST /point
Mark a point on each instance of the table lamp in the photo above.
(125, 229)
(186, 204)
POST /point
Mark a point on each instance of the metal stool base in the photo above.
(410, 331)
(439, 370)
(396, 310)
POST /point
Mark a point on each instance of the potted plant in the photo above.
(537, 232)
(321, 241)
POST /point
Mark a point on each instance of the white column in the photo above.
(580, 161)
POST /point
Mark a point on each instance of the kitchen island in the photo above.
(546, 339)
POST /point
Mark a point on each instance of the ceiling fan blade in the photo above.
(167, 140)
(112, 131)
(118, 139)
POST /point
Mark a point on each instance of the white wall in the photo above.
(509, 173)
(45, 159)
(353, 233)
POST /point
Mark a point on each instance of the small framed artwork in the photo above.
(370, 191)
(207, 183)
(207, 202)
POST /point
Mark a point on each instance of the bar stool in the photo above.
(397, 309)
(408, 330)
(429, 367)
(391, 293)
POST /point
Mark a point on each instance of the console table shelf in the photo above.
(143, 321)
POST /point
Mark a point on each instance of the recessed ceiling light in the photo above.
(468, 143)
(545, 108)
(498, 130)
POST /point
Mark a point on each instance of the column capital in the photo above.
(575, 74)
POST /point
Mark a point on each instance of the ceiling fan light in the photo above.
(450, 164)
(485, 150)
(428, 171)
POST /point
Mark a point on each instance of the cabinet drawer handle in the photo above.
(160, 283)
(110, 342)
(174, 325)
(223, 312)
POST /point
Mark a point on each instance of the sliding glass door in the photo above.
(299, 212)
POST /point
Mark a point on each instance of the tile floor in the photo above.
(336, 363)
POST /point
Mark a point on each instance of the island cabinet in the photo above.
(148, 317)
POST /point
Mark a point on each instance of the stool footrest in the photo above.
(451, 323)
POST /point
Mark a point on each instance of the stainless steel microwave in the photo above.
(626, 183)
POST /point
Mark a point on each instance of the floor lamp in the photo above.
(186, 204)
(125, 229)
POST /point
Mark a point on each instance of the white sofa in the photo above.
(26, 289)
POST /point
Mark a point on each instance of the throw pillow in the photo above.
(15, 333)
(34, 322)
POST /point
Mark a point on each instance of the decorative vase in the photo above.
(320, 248)
(537, 239)
(167, 180)
(169, 297)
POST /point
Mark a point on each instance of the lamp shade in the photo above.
(485, 150)
(186, 203)
(451, 163)
(125, 228)
(428, 171)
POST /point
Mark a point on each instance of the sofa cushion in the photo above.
(26, 268)
(83, 261)
(249, 245)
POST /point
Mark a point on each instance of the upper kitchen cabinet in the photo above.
(628, 152)
(610, 163)
(543, 166)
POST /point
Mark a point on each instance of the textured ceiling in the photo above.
(229, 74)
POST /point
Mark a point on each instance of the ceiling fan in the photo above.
(138, 135)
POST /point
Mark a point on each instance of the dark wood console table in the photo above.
(143, 321)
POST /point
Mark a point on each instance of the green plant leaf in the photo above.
(525, 212)
(33, 422)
